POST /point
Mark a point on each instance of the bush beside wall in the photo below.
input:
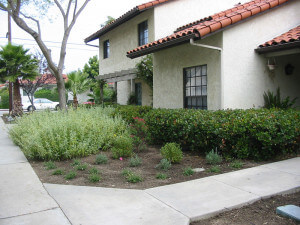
(4, 103)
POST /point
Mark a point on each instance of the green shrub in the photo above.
(82, 166)
(47, 93)
(71, 175)
(65, 135)
(236, 164)
(213, 157)
(131, 177)
(188, 171)
(50, 165)
(76, 162)
(275, 101)
(259, 134)
(126, 172)
(4, 102)
(135, 161)
(122, 147)
(164, 164)
(57, 172)
(94, 171)
(94, 178)
(172, 152)
(129, 112)
(215, 169)
(101, 159)
(161, 176)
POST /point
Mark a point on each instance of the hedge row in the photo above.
(4, 103)
(253, 134)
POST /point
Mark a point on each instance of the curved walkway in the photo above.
(25, 200)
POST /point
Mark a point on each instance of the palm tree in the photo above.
(77, 83)
(17, 64)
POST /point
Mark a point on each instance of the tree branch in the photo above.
(35, 20)
(75, 8)
(60, 8)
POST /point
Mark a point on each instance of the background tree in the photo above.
(22, 12)
(92, 67)
(30, 86)
(17, 64)
(77, 83)
(145, 70)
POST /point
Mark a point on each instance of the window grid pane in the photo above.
(143, 33)
(196, 87)
(106, 49)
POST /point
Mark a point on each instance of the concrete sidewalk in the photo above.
(25, 200)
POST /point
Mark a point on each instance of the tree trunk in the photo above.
(17, 101)
(75, 101)
(61, 91)
(101, 92)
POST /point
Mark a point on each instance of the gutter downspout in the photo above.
(221, 75)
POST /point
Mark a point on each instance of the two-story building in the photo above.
(221, 60)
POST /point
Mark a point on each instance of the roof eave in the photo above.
(279, 47)
(113, 25)
(161, 46)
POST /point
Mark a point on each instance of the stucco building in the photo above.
(218, 61)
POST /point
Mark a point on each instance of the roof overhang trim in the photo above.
(162, 46)
(279, 47)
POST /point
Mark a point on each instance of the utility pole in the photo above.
(10, 83)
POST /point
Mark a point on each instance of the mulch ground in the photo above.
(259, 213)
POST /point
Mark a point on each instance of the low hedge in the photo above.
(254, 134)
(4, 103)
(128, 112)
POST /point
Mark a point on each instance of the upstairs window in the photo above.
(143, 33)
(106, 49)
(195, 80)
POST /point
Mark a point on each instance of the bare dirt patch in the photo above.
(111, 173)
(258, 213)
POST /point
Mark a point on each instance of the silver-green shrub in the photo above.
(65, 135)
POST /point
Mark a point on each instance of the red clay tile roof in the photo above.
(288, 37)
(125, 17)
(205, 27)
(48, 78)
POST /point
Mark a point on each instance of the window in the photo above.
(106, 49)
(195, 80)
(143, 33)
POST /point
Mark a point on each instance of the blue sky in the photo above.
(89, 22)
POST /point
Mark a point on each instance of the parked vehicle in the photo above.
(40, 103)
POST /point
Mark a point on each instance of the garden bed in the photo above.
(111, 173)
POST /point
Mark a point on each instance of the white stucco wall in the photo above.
(246, 76)
(168, 17)
(146, 93)
(83, 97)
(122, 39)
(123, 92)
(168, 73)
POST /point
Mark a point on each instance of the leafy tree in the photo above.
(15, 65)
(92, 67)
(145, 70)
(77, 83)
(23, 13)
(108, 21)
(30, 86)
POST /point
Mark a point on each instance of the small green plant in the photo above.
(215, 169)
(76, 162)
(122, 147)
(71, 175)
(161, 176)
(50, 165)
(142, 147)
(82, 166)
(94, 178)
(164, 164)
(188, 171)
(172, 152)
(57, 172)
(213, 158)
(101, 159)
(131, 177)
(94, 171)
(274, 100)
(135, 161)
(236, 164)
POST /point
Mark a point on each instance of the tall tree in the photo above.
(77, 83)
(92, 67)
(16, 64)
(70, 11)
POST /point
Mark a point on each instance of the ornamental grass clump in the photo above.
(65, 135)
(172, 152)
(213, 158)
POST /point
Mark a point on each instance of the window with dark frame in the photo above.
(106, 49)
(195, 93)
(143, 33)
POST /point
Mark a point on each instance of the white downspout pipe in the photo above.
(221, 75)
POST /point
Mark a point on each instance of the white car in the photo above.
(40, 103)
